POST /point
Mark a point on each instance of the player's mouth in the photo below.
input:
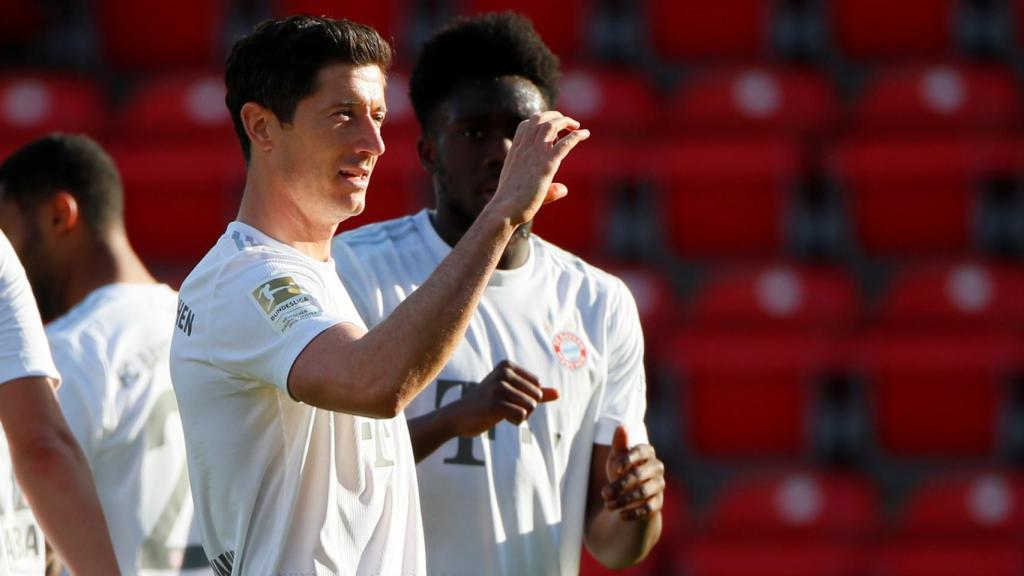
(488, 188)
(358, 176)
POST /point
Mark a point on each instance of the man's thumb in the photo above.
(620, 441)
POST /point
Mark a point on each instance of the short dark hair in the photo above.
(277, 64)
(484, 46)
(73, 163)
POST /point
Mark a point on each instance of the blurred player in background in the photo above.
(532, 438)
(110, 326)
(299, 454)
(37, 448)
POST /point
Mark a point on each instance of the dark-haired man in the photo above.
(532, 437)
(299, 454)
(109, 330)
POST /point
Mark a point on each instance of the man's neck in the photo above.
(275, 215)
(108, 260)
(517, 251)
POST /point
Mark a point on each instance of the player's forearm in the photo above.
(407, 350)
(618, 543)
(58, 485)
(430, 431)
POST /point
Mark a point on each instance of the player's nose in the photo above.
(370, 140)
(496, 150)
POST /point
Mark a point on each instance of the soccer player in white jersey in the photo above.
(109, 328)
(38, 450)
(299, 454)
(532, 438)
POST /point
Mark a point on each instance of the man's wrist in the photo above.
(494, 221)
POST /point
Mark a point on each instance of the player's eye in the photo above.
(473, 133)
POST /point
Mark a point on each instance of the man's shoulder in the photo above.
(564, 263)
(378, 237)
(113, 313)
(232, 262)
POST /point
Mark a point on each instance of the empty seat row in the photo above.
(736, 100)
(135, 35)
(819, 522)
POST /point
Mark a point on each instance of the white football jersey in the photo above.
(23, 353)
(512, 501)
(112, 349)
(282, 487)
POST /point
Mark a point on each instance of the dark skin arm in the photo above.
(509, 392)
(624, 502)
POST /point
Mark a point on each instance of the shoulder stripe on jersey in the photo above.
(223, 564)
(395, 229)
(248, 241)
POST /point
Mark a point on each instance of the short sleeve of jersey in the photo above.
(83, 390)
(625, 400)
(23, 348)
(360, 281)
(262, 315)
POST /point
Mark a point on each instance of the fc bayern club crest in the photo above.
(570, 350)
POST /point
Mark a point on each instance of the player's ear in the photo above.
(427, 149)
(257, 121)
(62, 213)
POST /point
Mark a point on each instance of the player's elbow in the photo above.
(390, 408)
(358, 395)
(44, 454)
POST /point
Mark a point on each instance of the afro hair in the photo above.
(484, 46)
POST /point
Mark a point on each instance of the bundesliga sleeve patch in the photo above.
(284, 303)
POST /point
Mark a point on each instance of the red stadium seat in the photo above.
(178, 197)
(177, 107)
(756, 100)
(563, 25)
(388, 17)
(939, 98)
(796, 504)
(777, 296)
(580, 222)
(35, 103)
(876, 29)
(794, 523)
(598, 98)
(700, 30)
(937, 395)
(983, 505)
(138, 35)
(963, 523)
(917, 195)
(398, 186)
(749, 394)
(955, 296)
(726, 197)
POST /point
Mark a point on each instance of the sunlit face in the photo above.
(474, 128)
(328, 151)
